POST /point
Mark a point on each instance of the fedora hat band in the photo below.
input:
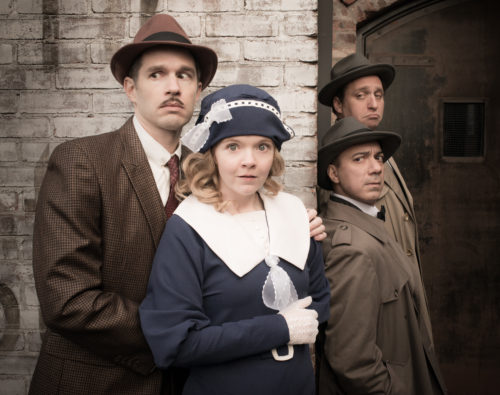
(339, 73)
(167, 36)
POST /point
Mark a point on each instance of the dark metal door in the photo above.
(445, 102)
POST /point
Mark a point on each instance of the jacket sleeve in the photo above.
(350, 345)
(68, 265)
(172, 315)
(319, 289)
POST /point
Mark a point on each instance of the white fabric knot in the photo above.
(278, 291)
(196, 138)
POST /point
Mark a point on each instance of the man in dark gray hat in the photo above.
(376, 340)
(357, 89)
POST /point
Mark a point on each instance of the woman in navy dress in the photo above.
(237, 287)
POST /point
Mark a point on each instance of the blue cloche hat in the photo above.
(237, 110)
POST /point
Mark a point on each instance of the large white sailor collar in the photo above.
(288, 229)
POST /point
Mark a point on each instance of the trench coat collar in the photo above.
(372, 225)
(288, 229)
(394, 180)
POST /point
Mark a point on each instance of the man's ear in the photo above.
(129, 88)
(337, 105)
(333, 173)
(198, 91)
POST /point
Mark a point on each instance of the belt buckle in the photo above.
(285, 357)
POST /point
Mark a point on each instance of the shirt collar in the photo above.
(155, 152)
(366, 208)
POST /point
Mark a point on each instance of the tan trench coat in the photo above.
(400, 219)
(98, 222)
(376, 341)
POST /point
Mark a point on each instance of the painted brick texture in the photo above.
(55, 85)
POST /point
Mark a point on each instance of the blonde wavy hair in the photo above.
(201, 178)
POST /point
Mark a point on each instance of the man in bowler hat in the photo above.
(102, 208)
(376, 341)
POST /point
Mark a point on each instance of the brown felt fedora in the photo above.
(163, 29)
(349, 69)
(345, 133)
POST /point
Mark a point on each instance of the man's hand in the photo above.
(316, 226)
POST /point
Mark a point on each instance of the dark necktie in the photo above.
(172, 202)
(381, 213)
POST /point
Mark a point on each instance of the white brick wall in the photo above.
(55, 85)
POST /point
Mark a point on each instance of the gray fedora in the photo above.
(349, 69)
(345, 133)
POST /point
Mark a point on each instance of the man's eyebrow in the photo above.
(187, 68)
(163, 68)
(155, 67)
(368, 89)
(364, 153)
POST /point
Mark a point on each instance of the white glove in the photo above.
(302, 323)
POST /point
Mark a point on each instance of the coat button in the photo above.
(409, 252)
(343, 227)
(396, 293)
(406, 217)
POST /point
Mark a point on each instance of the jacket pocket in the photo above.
(399, 379)
(393, 332)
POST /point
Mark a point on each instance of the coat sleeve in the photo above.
(350, 346)
(319, 289)
(172, 315)
(67, 265)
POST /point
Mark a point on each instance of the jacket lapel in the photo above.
(394, 179)
(373, 226)
(136, 166)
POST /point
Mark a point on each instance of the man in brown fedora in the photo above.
(376, 340)
(99, 217)
(101, 210)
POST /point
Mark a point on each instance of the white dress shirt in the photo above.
(158, 157)
(366, 208)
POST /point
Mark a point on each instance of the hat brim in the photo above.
(123, 59)
(385, 72)
(389, 143)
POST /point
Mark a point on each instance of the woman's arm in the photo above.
(319, 288)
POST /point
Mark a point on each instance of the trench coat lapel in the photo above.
(393, 177)
(137, 167)
(354, 216)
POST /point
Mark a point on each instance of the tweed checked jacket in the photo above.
(98, 222)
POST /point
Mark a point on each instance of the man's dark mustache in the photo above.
(172, 101)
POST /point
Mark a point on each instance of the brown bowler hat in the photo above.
(163, 29)
(345, 133)
(350, 68)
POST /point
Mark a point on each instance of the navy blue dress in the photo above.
(200, 315)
